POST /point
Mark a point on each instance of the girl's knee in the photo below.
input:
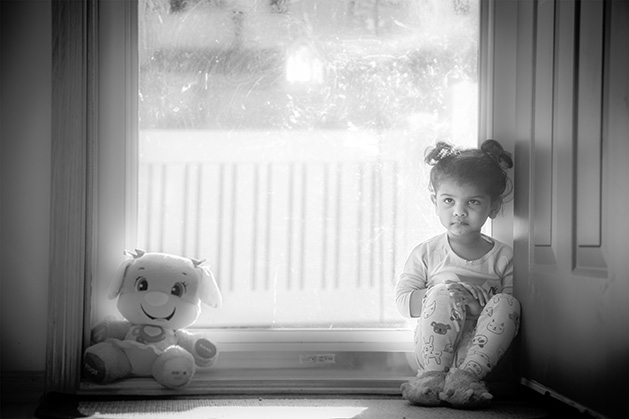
(506, 301)
(437, 295)
(436, 291)
(438, 303)
(505, 307)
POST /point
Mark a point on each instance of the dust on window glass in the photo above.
(283, 142)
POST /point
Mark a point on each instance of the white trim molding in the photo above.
(80, 209)
(73, 148)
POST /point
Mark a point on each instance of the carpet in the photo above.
(393, 407)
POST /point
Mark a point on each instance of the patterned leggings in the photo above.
(444, 338)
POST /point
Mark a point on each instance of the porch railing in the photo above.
(280, 229)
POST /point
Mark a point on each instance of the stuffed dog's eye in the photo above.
(141, 284)
(178, 289)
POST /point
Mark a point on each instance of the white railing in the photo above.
(328, 215)
(287, 235)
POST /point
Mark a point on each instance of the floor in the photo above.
(556, 409)
(18, 410)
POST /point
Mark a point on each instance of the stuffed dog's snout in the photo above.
(156, 299)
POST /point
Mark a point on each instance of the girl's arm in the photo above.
(470, 296)
(507, 280)
(409, 294)
(504, 269)
(412, 285)
(417, 297)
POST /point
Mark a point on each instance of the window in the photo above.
(283, 141)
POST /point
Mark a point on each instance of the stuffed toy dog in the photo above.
(159, 295)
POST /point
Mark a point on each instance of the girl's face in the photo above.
(463, 208)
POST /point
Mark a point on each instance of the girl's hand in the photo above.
(472, 296)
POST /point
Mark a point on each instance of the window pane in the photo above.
(283, 142)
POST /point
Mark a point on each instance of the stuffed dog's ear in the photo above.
(116, 281)
(208, 290)
(138, 253)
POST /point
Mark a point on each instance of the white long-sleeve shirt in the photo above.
(433, 262)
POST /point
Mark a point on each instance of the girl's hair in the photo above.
(485, 166)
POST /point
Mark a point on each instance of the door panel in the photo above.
(543, 129)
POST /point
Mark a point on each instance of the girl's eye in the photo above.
(178, 289)
(141, 284)
(448, 200)
(474, 202)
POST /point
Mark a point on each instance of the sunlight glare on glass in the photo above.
(303, 66)
(247, 412)
(464, 111)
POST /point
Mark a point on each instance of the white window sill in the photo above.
(292, 362)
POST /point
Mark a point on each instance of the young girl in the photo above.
(459, 283)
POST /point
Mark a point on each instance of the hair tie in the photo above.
(447, 152)
(498, 154)
(440, 151)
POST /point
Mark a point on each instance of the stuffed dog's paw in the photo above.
(104, 363)
(205, 353)
(174, 368)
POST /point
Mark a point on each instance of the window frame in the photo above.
(86, 212)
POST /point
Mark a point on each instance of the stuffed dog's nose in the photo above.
(156, 299)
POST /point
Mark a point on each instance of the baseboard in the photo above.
(545, 391)
(22, 386)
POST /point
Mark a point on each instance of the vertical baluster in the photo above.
(380, 224)
(394, 221)
(232, 238)
(149, 205)
(289, 241)
(359, 223)
(373, 233)
(339, 217)
(302, 246)
(324, 227)
(186, 208)
(267, 247)
(220, 220)
(254, 234)
(162, 212)
(197, 230)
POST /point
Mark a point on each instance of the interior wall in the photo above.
(26, 86)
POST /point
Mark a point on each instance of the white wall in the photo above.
(25, 181)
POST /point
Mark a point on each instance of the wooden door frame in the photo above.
(74, 32)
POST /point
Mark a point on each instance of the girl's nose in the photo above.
(459, 211)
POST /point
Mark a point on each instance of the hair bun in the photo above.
(499, 154)
(440, 151)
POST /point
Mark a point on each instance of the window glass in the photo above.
(283, 142)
